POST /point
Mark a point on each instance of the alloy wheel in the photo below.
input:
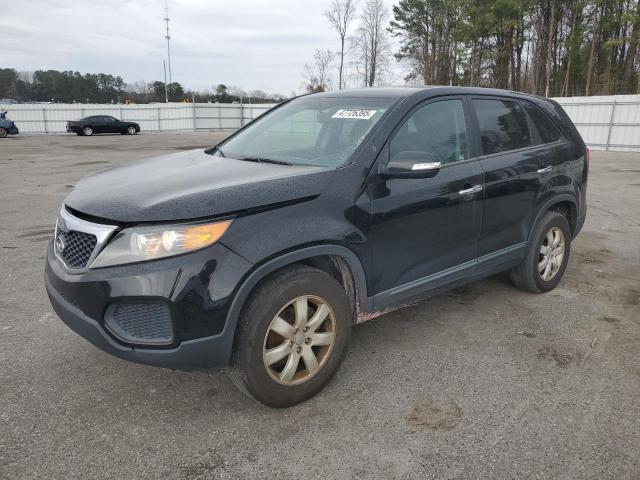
(551, 254)
(299, 340)
(131, 130)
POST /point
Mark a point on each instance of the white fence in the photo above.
(605, 122)
(52, 118)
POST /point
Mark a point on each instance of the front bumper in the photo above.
(13, 130)
(198, 287)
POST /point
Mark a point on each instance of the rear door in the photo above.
(425, 230)
(97, 124)
(516, 167)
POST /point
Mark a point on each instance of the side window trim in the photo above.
(469, 128)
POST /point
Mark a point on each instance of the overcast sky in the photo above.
(252, 44)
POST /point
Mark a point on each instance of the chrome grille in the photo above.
(77, 242)
(77, 247)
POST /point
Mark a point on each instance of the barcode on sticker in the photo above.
(354, 113)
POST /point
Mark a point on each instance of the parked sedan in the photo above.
(101, 124)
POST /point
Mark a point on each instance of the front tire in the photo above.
(131, 130)
(547, 255)
(292, 336)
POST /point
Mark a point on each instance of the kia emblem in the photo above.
(60, 244)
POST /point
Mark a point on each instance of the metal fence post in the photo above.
(241, 113)
(193, 110)
(44, 119)
(613, 112)
(159, 127)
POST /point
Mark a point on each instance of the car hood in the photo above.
(189, 185)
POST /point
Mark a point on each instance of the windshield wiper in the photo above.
(213, 150)
(264, 160)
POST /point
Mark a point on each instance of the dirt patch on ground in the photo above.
(562, 360)
(95, 162)
(465, 295)
(631, 297)
(611, 320)
(203, 469)
(435, 415)
(593, 256)
(527, 334)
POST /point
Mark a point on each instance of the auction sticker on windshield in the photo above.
(354, 113)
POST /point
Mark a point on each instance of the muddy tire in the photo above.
(292, 336)
(547, 255)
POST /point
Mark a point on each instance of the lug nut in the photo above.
(299, 349)
(307, 340)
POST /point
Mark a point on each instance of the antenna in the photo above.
(168, 37)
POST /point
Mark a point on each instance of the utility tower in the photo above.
(168, 37)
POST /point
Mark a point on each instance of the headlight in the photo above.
(150, 243)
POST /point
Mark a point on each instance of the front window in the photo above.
(436, 129)
(309, 131)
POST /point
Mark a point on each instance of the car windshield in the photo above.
(308, 131)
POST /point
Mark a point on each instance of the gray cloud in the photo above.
(254, 44)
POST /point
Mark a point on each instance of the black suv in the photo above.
(261, 253)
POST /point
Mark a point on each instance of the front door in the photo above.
(111, 125)
(425, 231)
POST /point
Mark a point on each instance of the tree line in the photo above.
(546, 47)
(75, 87)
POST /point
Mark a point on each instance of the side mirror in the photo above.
(409, 164)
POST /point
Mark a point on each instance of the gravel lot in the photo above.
(485, 382)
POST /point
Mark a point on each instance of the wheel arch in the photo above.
(338, 261)
(565, 204)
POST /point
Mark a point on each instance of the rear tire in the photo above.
(292, 336)
(547, 255)
(3, 132)
(87, 131)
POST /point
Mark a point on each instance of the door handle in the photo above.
(545, 170)
(472, 190)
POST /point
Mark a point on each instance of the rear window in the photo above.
(546, 128)
(503, 125)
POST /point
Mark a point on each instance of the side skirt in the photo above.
(416, 290)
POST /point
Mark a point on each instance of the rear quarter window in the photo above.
(547, 130)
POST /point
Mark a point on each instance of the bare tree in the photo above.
(371, 43)
(317, 74)
(340, 14)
